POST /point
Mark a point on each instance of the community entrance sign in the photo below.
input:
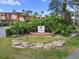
(41, 29)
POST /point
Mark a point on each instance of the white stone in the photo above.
(24, 44)
(16, 42)
(73, 34)
(61, 41)
(18, 46)
(38, 45)
(48, 46)
(58, 43)
(54, 44)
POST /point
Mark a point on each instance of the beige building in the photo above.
(9, 16)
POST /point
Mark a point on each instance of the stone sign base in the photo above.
(40, 34)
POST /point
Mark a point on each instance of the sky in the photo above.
(19, 5)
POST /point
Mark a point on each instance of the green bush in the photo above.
(19, 28)
(52, 24)
(34, 24)
(59, 27)
(9, 32)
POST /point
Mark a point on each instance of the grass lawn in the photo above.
(7, 52)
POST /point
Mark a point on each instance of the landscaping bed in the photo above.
(8, 52)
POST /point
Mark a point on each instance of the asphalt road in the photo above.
(2, 32)
(74, 55)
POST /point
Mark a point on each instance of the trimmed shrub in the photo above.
(9, 32)
(19, 28)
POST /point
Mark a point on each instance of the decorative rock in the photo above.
(18, 46)
(58, 43)
(54, 44)
(24, 44)
(48, 46)
(13, 36)
(16, 42)
(39, 45)
(31, 45)
(62, 42)
(73, 35)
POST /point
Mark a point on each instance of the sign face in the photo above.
(41, 29)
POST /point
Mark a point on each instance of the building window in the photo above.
(5, 14)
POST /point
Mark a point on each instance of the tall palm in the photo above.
(42, 12)
(24, 14)
(30, 12)
(61, 5)
(16, 13)
(35, 15)
(13, 10)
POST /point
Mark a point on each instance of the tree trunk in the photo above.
(64, 13)
(64, 16)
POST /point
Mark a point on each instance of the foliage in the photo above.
(61, 6)
(35, 23)
(19, 28)
(4, 23)
(9, 32)
(58, 27)
(52, 24)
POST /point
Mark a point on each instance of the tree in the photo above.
(35, 15)
(13, 10)
(42, 12)
(23, 11)
(16, 13)
(26, 14)
(61, 5)
(30, 12)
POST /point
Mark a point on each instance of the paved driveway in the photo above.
(2, 32)
(75, 55)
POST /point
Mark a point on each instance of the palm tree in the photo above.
(30, 12)
(42, 12)
(16, 13)
(23, 11)
(35, 15)
(61, 5)
(19, 15)
(26, 14)
(13, 10)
